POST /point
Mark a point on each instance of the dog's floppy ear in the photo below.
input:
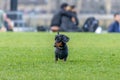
(65, 39)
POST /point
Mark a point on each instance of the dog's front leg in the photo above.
(56, 57)
(65, 59)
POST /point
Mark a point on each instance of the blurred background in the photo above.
(32, 13)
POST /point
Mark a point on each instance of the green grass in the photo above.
(30, 56)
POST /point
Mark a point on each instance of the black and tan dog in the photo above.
(61, 49)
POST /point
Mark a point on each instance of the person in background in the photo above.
(2, 18)
(76, 21)
(9, 24)
(73, 10)
(70, 24)
(115, 26)
(57, 18)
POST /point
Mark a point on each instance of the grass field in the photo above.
(30, 56)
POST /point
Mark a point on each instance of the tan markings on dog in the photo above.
(59, 44)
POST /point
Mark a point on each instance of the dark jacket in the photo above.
(114, 27)
(56, 20)
(76, 18)
(68, 25)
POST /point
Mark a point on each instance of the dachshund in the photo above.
(61, 48)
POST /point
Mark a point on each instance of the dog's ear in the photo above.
(65, 39)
